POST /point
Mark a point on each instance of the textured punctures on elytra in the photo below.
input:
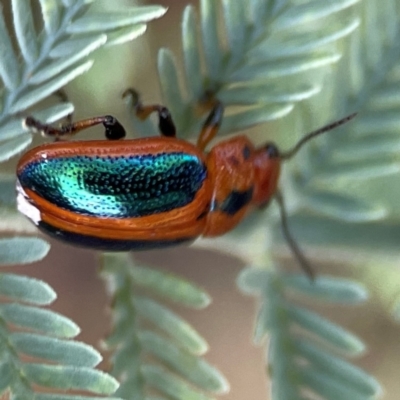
(118, 187)
(236, 201)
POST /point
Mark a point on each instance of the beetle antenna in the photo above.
(298, 254)
(306, 138)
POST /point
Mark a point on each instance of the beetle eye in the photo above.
(272, 150)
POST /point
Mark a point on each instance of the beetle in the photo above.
(140, 194)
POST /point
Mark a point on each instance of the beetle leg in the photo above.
(298, 254)
(211, 126)
(113, 129)
(165, 122)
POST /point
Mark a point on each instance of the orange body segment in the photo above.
(231, 171)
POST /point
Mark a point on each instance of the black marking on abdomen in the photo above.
(246, 152)
(236, 201)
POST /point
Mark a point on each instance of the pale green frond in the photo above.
(170, 385)
(376, 121)
(358, 170)
(38, 320)
(192, 53)
(192, 368)
(169, 322)
(7, 189)
(363, 154)
(325, 288)
(51, 14)
(154, 348)
(52, 58)
(125, 34)
(337, 368)
(258, 12)
(25, 30)
(232, 50)
(386, 144)
(342, 206)
(236, 27)
(71, 362)
(24, 289)
(9, 69)
(70, 378)
(79, 45)
(13, 147)
(328, 288)
(108, 21)
(284, 67)
(267, 93)
(169, 79)
(329, 388)
(5, 376)
(22, 250)
(54, 113)
(254, 116)
(308, 358)
(53, 68)
(327, 331)
(65, 352)
(212, 47)
(33, 96)
(374, 238)
(170, 287)
(283, 45)
(310, 12)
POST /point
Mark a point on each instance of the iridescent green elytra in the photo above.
(117, 186)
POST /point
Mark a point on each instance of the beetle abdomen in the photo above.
(109, 244)
(116, 186)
